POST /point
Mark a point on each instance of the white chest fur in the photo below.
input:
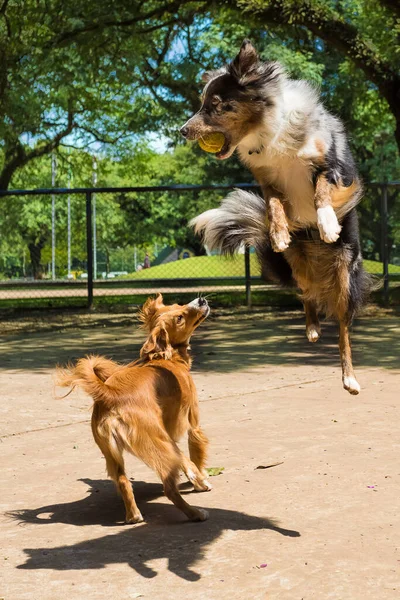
(290, 175)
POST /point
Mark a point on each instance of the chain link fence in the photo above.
(116, 245)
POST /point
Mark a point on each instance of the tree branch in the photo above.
(53, 143)
(190, 50)
(335, 31)
(4, 7)
(167, 8)
(100, 137)
(17, 156)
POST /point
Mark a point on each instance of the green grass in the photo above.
(373, 266)
(198, 267)
(217, 266)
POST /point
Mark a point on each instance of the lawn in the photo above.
(217, 266)
(199, 267)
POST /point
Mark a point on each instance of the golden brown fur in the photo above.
(145, 407)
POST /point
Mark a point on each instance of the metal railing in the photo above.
(88, 194)
(381, 189)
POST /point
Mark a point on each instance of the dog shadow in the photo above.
(166, 534)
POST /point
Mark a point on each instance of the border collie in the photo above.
(305, 228)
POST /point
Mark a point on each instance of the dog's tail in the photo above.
(90, 374)
(241, 219)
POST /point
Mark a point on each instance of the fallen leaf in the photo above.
(214, 471)
(268, 466)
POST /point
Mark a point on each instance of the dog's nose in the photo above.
(184, 131)
(202, 301)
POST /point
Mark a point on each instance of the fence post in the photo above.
(385, 248)
(247, 275)
(89, 248)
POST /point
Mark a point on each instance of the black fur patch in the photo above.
(360, 282)
(340, 171)
(274, 266)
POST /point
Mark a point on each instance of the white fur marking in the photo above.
(328, 224)
(312, 333)
(200, 485)
(203, 514)
(191, 475)
(351, 385)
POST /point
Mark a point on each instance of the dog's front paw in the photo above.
(328, 224)
(280, 238)
(199, 481)
(202, 486)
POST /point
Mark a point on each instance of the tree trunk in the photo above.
(395, 106)
(7, 172)
(35, 251)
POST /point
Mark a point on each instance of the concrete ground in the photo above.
(322, 523)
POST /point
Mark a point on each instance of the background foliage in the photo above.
(119, 78)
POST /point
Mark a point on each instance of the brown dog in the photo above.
(147, 406)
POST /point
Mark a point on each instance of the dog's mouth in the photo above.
(202, 317)
(225, 151)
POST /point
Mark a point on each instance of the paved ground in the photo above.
(102, 291)
(324, 522)
(112, 290)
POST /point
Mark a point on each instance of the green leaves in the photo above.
(214, 471)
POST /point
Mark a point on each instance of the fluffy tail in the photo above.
(89, 373)
(241, 219)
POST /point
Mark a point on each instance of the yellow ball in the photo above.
(212, 142)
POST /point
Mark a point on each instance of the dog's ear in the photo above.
(157, 344)
(245, 61)
(149, 311)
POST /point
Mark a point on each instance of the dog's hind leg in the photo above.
(313, 329)
(172, 492)
(161, 453)
(116, 471)
(350, 382)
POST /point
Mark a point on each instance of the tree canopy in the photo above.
(120, 79)
(109, 73)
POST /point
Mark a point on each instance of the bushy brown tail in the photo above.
(89, 373)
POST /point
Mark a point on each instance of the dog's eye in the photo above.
(179, 319)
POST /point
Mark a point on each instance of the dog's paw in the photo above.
(134, 519)
(313, 333)
(200, 515)
(280, 239)
(328, 224)
(199, 481)
(202, 486)
(351, 385)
